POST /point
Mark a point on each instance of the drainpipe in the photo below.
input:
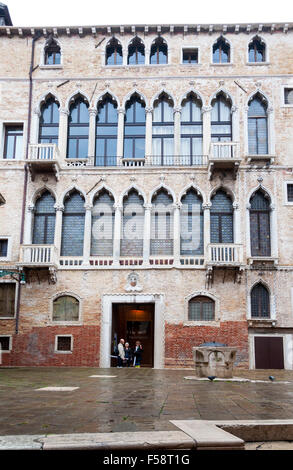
(26, 170)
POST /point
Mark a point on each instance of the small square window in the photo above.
(290, 192)
(288, 96)
(3, 248)
(190, 56)
(64, 343)
(4, 343)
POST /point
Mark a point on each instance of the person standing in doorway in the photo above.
(137, 354)
(121, 353)
(128, 354)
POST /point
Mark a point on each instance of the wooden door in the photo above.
(135, 322)
(269, 352)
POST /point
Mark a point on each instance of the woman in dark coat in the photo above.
(128, 355)
(137, 354)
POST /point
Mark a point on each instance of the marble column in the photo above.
(92, 136)
(63, 131)
(176, 233)
(28, 227)
(58, 228)
(117, 233)
(147, 234)
(206, 123)
(177, 134)
(148, 134)
(206, 228)
(87, 233)
(120, 136)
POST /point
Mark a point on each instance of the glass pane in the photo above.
(19, 147)
(9, 147)
(112, 147)
(71, 152)
(83, 148)
(128, 152)
(157, 147)
(134, 130)
(197, 147)
(49, 130)
(160, 130)
(185, 147)
(78, 130)
(168, 112)
(100, 147)
(139, 148)
(191, 129)
(107, 130)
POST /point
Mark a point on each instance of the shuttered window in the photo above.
(260, 238)
(201, 308)
(257, 128)
(44, 220)
(73, 225)
(102, 225)
(133, 225)
(7, 299)
(221, 218)
(66, 308)
(260, 302)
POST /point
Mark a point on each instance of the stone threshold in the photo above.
(192, 435)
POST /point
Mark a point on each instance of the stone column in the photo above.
(28, 227)
(92, 135)
(271, 131)
(117, 233)
(206, 124)
(236, 223)
(148, 134)
(87, 233)
(206, 228)
(63, 130)
(58, 228)
(147, 234)
(177, 126)
(120, 135)
(274, 232)
(176, 233)
(34, 137)
(147, 53)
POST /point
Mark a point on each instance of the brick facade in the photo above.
(97, 271)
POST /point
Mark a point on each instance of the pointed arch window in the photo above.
(159, 52)
(163, 131)
(73, 225)
(221, 218)
(44, 220)
(260, 302)
(103, 214)
(134, 128)
(221, 119)
(106, 132)
(133, 225)
(52, 53)
(162, 224)
(191, 224)
(256, 51)
(221, 52)
(191, 130)
(257, 126)
(260, 237)
(114, 52)
(136, 52)
(49, 122)
(78, 129)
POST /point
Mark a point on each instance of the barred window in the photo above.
(5, 342)
(201, 308)
(260, 302)
(7, 299)
(64, 343)
(66, 308)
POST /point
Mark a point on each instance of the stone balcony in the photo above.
(225, 254)
(43, 158)
(224, 156)
(38, 256)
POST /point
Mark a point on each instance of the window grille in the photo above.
(64, 343)
(260, 302)
(201, 308)
(73, 225)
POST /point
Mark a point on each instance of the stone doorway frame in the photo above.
(106, 324)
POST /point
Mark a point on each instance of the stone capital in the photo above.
(206, 109)
(59, 207)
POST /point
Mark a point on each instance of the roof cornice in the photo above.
(234, 28)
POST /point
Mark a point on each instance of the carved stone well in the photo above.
(214, 359)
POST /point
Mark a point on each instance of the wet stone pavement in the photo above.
(135, 400)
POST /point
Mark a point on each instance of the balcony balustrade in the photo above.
(225, 254)
(224, 156)
(43, 158)
(39, 256)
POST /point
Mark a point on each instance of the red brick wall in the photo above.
(180, 339)
(37, 347)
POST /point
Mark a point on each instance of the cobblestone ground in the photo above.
(135, 400)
